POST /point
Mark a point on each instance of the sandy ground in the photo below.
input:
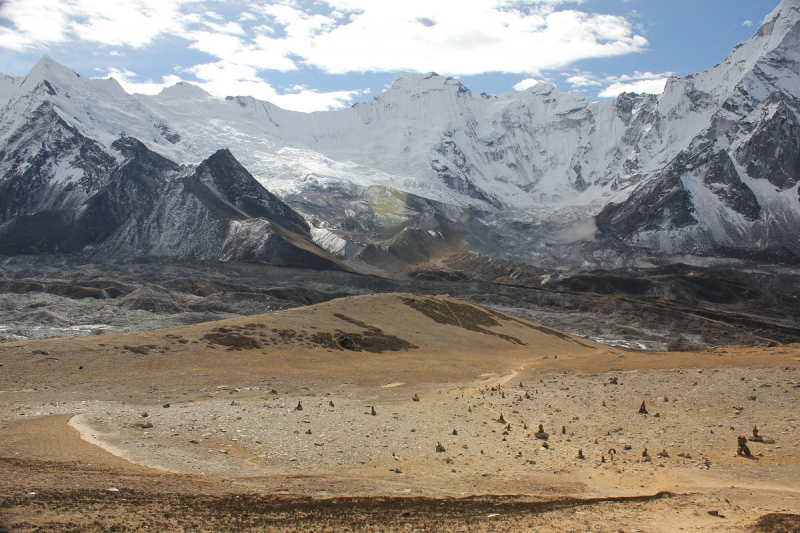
(267, 424)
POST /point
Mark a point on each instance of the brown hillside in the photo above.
(342, 414)
(364, 340)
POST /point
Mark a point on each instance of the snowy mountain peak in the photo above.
(47, 69)
(182, 90)
(779, 25)
(542, 88)
(786, 9)
(48, 65)
(751, 69)
(51, 77)
(416, 84)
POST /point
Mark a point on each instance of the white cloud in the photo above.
(339, 36)
(37, 23)
(651, 86)
(636, 76)
(216, 44)
(527, 83)
(451, 37)
(467, 38)
(747, 23)
(220, 84)
(583, 80)
(638, 82)
(230, 27)
(134, 23)
(123, 22)
(126, 79)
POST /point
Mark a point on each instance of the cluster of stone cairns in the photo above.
(540, 434)
(742, 448)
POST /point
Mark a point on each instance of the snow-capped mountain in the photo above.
(708, 167)
(64, 193)
(733, 185)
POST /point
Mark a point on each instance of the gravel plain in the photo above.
(171, 428)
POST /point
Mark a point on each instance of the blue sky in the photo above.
(321, 54)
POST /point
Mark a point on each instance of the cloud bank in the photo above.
(244, 40)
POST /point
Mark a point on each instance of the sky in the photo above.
(310, 55)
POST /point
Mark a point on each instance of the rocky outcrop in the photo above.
(62, 193)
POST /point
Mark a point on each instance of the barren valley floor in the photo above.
(393, 412)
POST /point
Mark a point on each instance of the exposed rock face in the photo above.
(730, 190)
(230, 181)
(772, 151)
(48, 171)
(61, 193)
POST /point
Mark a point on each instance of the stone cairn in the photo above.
(742, 448)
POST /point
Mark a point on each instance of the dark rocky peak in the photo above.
(134, 150)
(721, 177)
(226, 177)
(628, 103)
(662, 204)
(141, 174)
(35, 151)
(772, 150)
